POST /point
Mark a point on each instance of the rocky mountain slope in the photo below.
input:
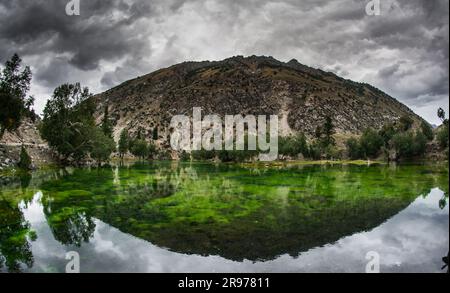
(28, 135)
(300, 95)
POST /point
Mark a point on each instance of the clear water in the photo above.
(195, 217)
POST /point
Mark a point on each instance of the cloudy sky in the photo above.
(404, 51)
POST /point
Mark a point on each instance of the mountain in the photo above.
(302, 97)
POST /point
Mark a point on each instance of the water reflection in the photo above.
(205, 218)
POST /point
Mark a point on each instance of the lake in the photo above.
(205, 217)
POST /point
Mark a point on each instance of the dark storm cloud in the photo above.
(98, 34)
(404, 52)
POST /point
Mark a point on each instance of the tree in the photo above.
(371, 143)
(408, 144)
(101, 146)
(155, 133)
(140, 149)
(107, 127)
(441, 114)
(25, 160)
(442, 135)
(124, 143)
(353, 148)
(68, 121)
(324, 134)
(293, 145)
(427, 130)
(387, 132)
(14, 85)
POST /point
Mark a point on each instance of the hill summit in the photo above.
(302, 97)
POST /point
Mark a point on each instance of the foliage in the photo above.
(324, 133)
(387, 132)
(442, 136)
(353, 148)
(25, 159)
(124, 142)
(106, 125)
(141, 149)
(427, 130)
(68, 121)
(371, 143)
(405, 123)
(14, 85)
(155, 133)
(101, 146)
(293, 145)
(408, 145)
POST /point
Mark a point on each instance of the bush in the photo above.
(25, 159)
(371, 143)
(408, 145)
(185, 156)
(293, 146)
(427, 130)
(353, 149)
(102, 146)
(140, 149)
(442, 137)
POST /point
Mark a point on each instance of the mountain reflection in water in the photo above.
(225, 218)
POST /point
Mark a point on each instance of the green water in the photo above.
(227, 216)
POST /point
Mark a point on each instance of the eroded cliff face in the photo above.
(28, 135)
(300, 95)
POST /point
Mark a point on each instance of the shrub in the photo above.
(427, 130)
(442, 137)
(25, 159)
(353, 149)
(371, 143)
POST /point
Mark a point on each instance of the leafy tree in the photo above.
(371, 143)
(328, 132)
(427, 130)
(14, 85)
(408, 144)
(140, 149)
(387, 132)
(419, 144)
(403, 144)
(441, 114)
(68, 121)
(293, 146)
(353, 148)
(442, 137)
(101, 146)
(124, 142)
(25, 159)
(106, 125)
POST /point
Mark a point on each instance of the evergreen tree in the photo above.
(25, 159)
(124, 143)
(107, 127)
